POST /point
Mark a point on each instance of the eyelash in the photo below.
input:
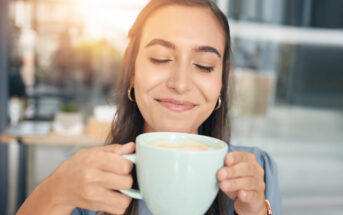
(205, 68)
(161, 61)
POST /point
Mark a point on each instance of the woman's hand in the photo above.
(89, 179)
(242, 180)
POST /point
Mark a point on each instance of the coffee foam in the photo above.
(187, 145)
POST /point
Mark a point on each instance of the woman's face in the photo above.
(178, 70)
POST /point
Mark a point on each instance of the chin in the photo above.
(175, 128)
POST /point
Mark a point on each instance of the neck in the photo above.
(148, 128)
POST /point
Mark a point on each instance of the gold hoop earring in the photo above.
(129, 94)
(219, 103)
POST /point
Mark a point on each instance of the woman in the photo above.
(174, 77)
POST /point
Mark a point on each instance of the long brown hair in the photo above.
(129, 122)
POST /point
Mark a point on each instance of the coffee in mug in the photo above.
(181, 181)
(186, 145)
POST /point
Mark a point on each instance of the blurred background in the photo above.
(58, 65)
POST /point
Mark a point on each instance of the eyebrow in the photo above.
(161, 42)
(170, 45)
(208, 49)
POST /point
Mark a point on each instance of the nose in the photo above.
(180, 79)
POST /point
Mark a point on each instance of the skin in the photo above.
(177, 82)
(88, 179)
(182, 77)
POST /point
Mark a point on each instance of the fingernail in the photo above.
(228, 185)
(127, 146)
(244, 194)
(230, 159)
(223, 175)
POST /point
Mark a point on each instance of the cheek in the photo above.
(141, 81)
(146, 77)
(210, 87)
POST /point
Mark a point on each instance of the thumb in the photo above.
(127, 148)
(121, 149)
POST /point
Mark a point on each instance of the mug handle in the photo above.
(136, 194)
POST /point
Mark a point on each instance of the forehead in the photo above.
(184, 25)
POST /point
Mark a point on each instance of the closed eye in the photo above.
(204, 68)
(159, 61)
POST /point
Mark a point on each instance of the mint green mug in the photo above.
(175, 181)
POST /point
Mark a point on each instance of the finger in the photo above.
(231, 195)
(238, 156)
(222, 174)
(247, 195)
(115, 182)
(119, 201)
(113, 202)
(242, 169)
(244, 183)
(121, 149)
(115, 163)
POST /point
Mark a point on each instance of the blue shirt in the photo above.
(272, 191)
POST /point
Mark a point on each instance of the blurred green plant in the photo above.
(69, 107)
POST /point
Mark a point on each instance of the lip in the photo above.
(176, 105)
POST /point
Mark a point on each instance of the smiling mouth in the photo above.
(176, 105)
